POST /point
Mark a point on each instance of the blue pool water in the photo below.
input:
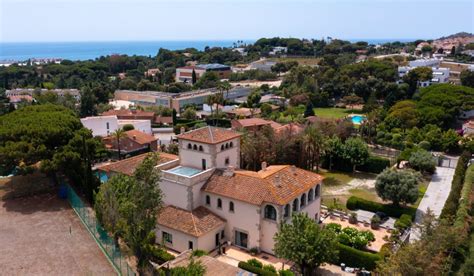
(357, 119)
(186, 171)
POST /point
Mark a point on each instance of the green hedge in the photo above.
(256, 270)
(374, 164)
(354, 203)
(462, 214)
(357, 258)
(451, 206)
(161, 256)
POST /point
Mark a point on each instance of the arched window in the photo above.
(222, 147)
(303, 200)
(310, 195)
(208, 200)
(195, 147)
(270, 212)
(200, 148)
(295, 205)
(231, 144)
(287, 211)
(189, 146)
(231, 206)
(219, 203)
(318, 191)
(226, 146)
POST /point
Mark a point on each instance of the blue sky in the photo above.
(105, 20)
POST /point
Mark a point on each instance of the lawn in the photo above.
(334, 112)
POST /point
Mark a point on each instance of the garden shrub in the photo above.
(285, 272)
(422, 160)
(255, 262)
(374, 164)
(255, 270)
(270, 268)
(351, 236)
(403, 222)
(161, 256)
(354, 203)
(357, 258)
(452, 203)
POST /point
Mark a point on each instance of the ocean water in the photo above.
(90, 50)
(21, 51)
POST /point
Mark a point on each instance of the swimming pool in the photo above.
(357, 119)
(185, 171)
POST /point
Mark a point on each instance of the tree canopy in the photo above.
(305, 243)
(398, 186)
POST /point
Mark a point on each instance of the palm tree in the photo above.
(118, 134)
(315, 144)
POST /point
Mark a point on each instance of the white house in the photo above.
(210, 201)
(440, 75)
(278, 50)
(105, 125)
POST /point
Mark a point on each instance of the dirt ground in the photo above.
(41, 235)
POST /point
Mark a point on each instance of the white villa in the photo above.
(210, 201)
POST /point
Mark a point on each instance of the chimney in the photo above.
(277, 181)
(264, 166)
(229, 171)
(182, 130)
(134, 137)
(293, 169)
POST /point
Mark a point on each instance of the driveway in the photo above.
(435, 196)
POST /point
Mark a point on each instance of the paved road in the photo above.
(435, 196)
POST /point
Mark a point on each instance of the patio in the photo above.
(379, 233)
(234, 255)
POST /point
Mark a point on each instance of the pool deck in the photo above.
(184, 171)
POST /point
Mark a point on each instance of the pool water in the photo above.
(186, 171)
(357, 119)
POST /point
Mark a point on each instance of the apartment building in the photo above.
(185, 74)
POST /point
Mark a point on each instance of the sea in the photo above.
(22, 51)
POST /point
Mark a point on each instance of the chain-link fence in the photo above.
(106, 243)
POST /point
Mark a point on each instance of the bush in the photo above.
(255, 270)
(357, 258)
(198, 253)
(128, 127)
(403, 222)
(451, 206)
(286, 272)
(422, 160)
(161, 256)
(354, 203)
(270, 268)
(255, 262)
(462, 214)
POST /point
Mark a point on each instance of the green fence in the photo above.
(105, 242)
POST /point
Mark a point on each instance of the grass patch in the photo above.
(421, 192)
(332, 179)
(334, 112)
(365, 194)
(300, 60)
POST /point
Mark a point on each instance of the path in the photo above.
(435, 196)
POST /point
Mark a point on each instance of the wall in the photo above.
(245, 217)
(141, 125)
(180, 239)
(98, 124)
(233, 153)
(175, 194)
(193, 158)
(207, 242)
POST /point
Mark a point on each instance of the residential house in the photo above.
(278, 50)
(106, 125)
(133, 143)
(440, 75)
(243, 112)
(253, 124)
(208, 200)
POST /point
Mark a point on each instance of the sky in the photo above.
(152, 20)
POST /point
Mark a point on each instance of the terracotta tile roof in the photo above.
(276, 184)
(290, 128)
(209, 135)
(128, 166)
(196, 223)
(257, 122)
(129, 113)
(140, 137)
